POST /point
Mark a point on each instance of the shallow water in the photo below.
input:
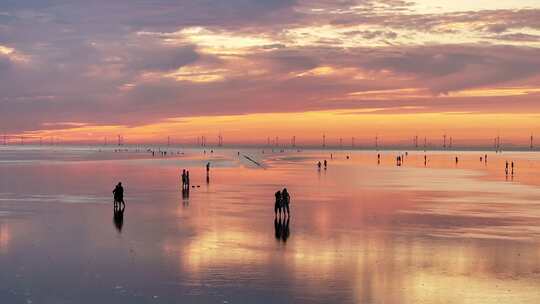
(360, 232)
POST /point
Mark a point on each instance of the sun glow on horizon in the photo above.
(392, 128)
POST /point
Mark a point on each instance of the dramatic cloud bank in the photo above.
(129, 64)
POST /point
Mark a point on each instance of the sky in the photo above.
(253, 69)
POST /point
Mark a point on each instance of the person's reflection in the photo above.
(285, 232)
(207, 178)
(118, 217)
(185, 196)
(277, 227)
(281, 228)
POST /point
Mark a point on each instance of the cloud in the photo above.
(445, 68)
(137, 62)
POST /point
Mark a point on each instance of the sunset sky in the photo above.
(252, 69)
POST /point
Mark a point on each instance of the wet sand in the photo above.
(360, 232)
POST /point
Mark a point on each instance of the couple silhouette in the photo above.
(283, 199)
(118, 194)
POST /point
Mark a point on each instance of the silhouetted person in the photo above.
(118, 218)
(187, 179)
(325, 164)
(457, 160)
(118, 193)
(378, 158)
(506, 169)
(285, 200)
(319, 165)
(425, 160)
(208, 167)
(183, 178)
(512, 168)
(278, 204)
(485, 158)
(480, 158)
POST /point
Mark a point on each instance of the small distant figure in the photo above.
(457, 160)
(319, 165)
(325, 164)
(406, 153)
(183, 178)
(347, 156)
(485, 158)
(331, 156)
(506, 169)
(378, 158)
(425, 160)
(285, 201)
(118, 194)
(512, 168)
(480, 158)
(207, 167)
(278, 204)
(239, 153)
(398, 160)
(187, 179)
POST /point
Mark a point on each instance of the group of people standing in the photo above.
(118, 194)
(325, 165)
(506, 169)
(185, 179)
(283, 200)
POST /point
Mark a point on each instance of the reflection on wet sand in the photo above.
(281, 228)
(118, 217)
(5, 237)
